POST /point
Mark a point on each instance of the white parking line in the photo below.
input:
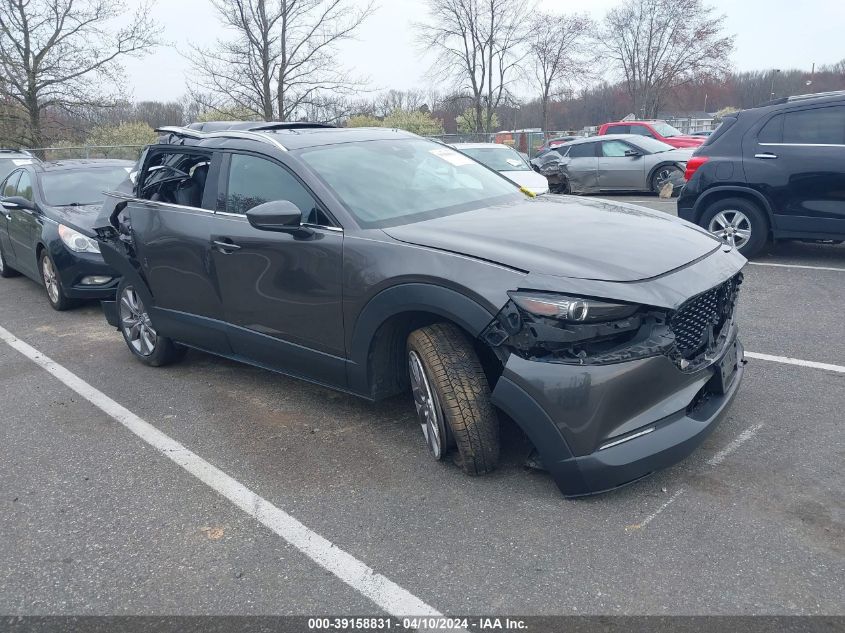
(741, 439)
(385, 593)
(653, 515)
(796, 361)
(839, 270)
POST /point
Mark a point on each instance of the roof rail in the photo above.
(197, 135)
(793, 98)
(254, 126)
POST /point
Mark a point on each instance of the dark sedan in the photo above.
(48, 210)
(379, 263)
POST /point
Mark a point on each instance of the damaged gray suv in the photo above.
(376, 262)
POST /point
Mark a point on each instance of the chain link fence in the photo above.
(125, 152)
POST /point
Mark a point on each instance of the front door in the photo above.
(799, 158)
(617, 171)
(24, 228)
(8, 189)
(281, 290)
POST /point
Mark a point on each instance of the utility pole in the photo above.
(705, 102)
(774, 74)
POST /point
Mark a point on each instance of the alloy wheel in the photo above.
(428, 407)
(51, 280)
(135, 323)
(732, 226)
(663, 176)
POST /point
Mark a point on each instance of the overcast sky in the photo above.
(769, 34)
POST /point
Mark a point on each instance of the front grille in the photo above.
(698, 323)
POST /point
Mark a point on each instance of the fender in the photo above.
(115, 255)
(409, 297)
(701, 202)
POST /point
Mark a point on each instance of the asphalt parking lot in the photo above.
(101, 512)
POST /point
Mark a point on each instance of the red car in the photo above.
(660, 130)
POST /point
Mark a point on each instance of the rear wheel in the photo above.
(738, 222)
(5, 271)
(53, 284)
(452, 397)
(138, 331)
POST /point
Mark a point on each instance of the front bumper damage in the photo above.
(605, 414)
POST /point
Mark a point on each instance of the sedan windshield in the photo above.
(497, 158)
(650, 145)
(81, 186)
(391, 182)
(664, 129)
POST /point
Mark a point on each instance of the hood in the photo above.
(685, 141)
(567, 237)
(531, 180)
(82, 218)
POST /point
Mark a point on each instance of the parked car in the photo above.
(659, 130)
(377, 262)
(508, 162)
(11, 159)
(45, 231)
(702, 133)
(775, 172)
(622, 162)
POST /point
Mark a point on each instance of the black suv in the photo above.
(772, 172)
(376, 262)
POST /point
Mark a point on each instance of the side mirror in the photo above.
(18, 202)
(632, 153)
(276, 215)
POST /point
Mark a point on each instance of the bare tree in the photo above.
(282, 60)
(58, 54)
(657, 45)
(480, 44)
(558, 45)
(392, 100)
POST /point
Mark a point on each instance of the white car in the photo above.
(508, 162)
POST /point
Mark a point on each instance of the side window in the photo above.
(772, 132)
(582, 150)
(642, 130)
(175, 178)
(619, 129)
(614, 149)
(254, 181)
(10, 187)
(815, 126)
(25, 186)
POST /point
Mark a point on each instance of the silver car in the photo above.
(508, 162)
(613, 162)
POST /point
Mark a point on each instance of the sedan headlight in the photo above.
(76, 241)
(571, 309)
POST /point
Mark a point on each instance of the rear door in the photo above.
(797, 158)
(617, 171)
(282, 290)
(581, 166)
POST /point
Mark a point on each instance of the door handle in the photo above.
(225, 246)
(765, 155)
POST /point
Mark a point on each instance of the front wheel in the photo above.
(452, 397)
(665, 175)
(738, 222)
(138, 331)
(53, 284)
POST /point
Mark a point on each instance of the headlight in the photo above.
(571, 309)
(76, 241)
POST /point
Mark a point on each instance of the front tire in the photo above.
(664, 175)
(452, 397)
(739, 222)
(53, 284)
(138, 331)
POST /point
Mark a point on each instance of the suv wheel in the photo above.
(140, 335)
(5, 271)
(53, 284)
(739, 222)
(452, 397)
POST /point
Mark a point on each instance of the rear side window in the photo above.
(724, 126)
(816, 126)
(582, 150)
(772, 132)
